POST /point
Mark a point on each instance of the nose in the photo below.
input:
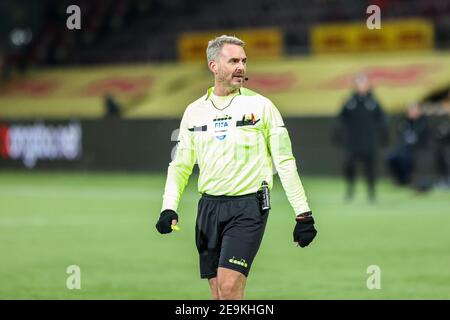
(241, 66)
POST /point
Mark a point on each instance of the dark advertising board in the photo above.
(144, 145)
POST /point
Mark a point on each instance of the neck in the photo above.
(221, 90)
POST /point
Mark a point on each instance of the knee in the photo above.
(215, 293)
(229, 290)
(214, 289)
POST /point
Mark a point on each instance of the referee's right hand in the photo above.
(166, 220)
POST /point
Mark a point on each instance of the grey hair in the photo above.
(214, 46)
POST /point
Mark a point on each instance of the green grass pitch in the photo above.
(104, 223)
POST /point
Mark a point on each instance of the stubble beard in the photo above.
(227, 83)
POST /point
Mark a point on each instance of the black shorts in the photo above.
(228, 232)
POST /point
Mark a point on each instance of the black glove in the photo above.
(165, 221)
(304, 231)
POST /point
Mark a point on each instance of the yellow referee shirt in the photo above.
(234, 140)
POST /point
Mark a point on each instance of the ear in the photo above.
(213, 67)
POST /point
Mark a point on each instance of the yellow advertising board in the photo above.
(265, 43)
(394, 35)
(299, 86)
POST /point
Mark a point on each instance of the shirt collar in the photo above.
(210, 91)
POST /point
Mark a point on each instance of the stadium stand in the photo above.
(115, 31)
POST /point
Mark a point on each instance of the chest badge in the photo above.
(248, 120)
(221, 125)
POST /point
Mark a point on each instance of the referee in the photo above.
(234, 134)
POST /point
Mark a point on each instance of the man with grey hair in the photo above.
(234, 134)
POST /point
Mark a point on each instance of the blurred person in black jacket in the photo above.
(439, 109)
(442, 145)
(441, 159)
(360, 130)
(413, 136)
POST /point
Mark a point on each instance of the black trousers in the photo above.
(368, 162)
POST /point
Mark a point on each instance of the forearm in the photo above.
(178, 172)
(176, 181)
(290, 180)
(280, 147)
(287, 170)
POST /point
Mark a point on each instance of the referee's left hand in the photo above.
(166, 220)
(304, 231)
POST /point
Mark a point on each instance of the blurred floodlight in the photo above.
(20, 37)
